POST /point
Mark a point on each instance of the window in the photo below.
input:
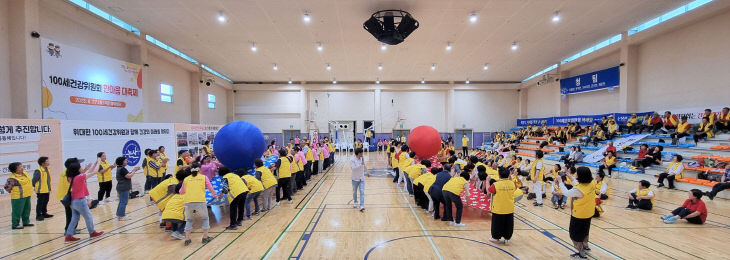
(211, 101)
(170, 49)
(669, 15)
(106, 16)
(215, 72)
(614, 39)
(165, 93)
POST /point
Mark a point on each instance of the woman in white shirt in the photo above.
(675, 170)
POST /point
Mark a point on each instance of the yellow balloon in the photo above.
(47, 97)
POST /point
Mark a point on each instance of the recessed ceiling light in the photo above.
(253, 47)
(514, 46)
(222, 17)
(383, 47)
(448, 46)
(307, 18)
(320, 47)
(423, 81)
(467, 81)
(289, 81)
(556, 17)
(328, 67)
(377, 80)
(380, 66)
(334, 81)
(276, 67)
(473, 17)
(486, 66)
(433, 66)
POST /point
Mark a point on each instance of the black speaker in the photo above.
(390, 26)
(373, 26)
(407, 25)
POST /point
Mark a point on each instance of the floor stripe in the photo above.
(429, 237)
(425, 232)
(546, 233)
(239, 235)
(308, 236)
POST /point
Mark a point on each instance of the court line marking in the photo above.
(97, 240)
(669, 202)
(422, 227)
(321, 178)
(440, 236)
(239, 235)
(719, 224)
(308, 236)
(301, 237)
(546, 233)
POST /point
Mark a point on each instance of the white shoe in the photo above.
(451, 223)
(362, 209)
(506, 241)
(291, 201)
(493, 240)
(354, 206)
(277, 203)
(459, 224)
(101, 202)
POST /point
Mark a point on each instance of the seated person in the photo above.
(561, 135)
(645, 123)
(705, 130)
(722, 185)
(723, 120)
(693, 210)
(655, 123)
(643, 150)
(654, 157)
(565, 158)
(558, 199)
(599, 136)
(641, 197)
(670, 122)
(675, 170)
(612, 128)
(604, 123)
(602, 190)
(609, 162)
(610, 148)
(682, 130)
(632, 124)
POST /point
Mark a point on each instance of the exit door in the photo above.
(290, 135)
(400, 135)
(459, 133)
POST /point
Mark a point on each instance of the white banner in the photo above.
(84, 139)
(82, 85)
(694, 115)
(618, 143)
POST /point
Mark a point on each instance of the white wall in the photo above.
(542, 101)
(487, 110)
(162, 71)
(271, 111)
(687, 67)
(416, 107)
(217, 115)
(341, 106)
(5, 96)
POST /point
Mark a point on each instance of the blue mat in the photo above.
(217, 183)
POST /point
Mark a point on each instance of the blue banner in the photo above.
(535, 121)
(596, 80)
(584, 120)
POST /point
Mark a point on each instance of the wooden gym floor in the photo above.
(321, 224)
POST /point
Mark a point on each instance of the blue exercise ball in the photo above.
(238, 144)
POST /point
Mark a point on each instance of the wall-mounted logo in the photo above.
(54, 50)
(132, 152)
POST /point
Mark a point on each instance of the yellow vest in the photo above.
(610, 161)
(206, 150)
(464, 141)
(254, 185)
(105, 175)
(184, 163)
(725, 117)
(194, 189)
(644, 192)
(414, 170)
(62, 186)
(673, 166)
(455, 185)
(145, 167)
(285, 168)
(175, 208)
(159, 193)
(404, 162)
(540, 175)
(673, 120)
(598, 188)
(707, 127)
(682, 127)
(235, 186)
(503, 202)
(163, 166)
(632, 121)
(394, 160)
(26, 187)
(267, 178)
(44, 184)
(331, 147)
(321, 155)
(584, 207)
(308, 155)
(427, 180)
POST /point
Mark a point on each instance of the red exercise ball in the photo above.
(425, 141)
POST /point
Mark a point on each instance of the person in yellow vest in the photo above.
(583, 197)
(283, 169)
(174, 213)
(182, 161)
(414, 172)
(537, 174)
(104, 177)
(612, 128)
(42, 188)
(62, 190)
(599, 136)
(558, 198)
(723, 120)
(674, 171)
(502, 206)
(682, 130)
(255, 188)
(632, 124)
(206, 150)
(405, 160)
(309, 156)
(394, 163)
(452, 190)
(236, 191)
(705, 130)
(268, 180)
(331, 146)
(602, 190)
(20, 187)
(427, 180)
(193, 191)
(124, 185)
(641, 197)
(155, 168)
(163, 160)
(319, 161)
(148, 178)
(403, 139)
(465, 145)
(609, 163)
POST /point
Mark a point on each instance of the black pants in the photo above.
(609, 168)
(655, 127)
(236, 208)
(456, 200)
(670, 179)
(105, 188)
(697, 137)
(503, 225)
(300, 179)
(641, 204)
(465, 150)
(719, 187)
(148, 183)
(669, 128)
(177, 225)
(41, 206)
(315, 168)
(579, 229)
(720, 127)
(283, 185)
(683, 212)
(604, 197)
(67, 210)
(395, 170)
(438, 200)
(678, 135)
(307, 170)
(419, 196)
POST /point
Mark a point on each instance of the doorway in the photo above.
(289, 136)
(401, 135)
(342, 134)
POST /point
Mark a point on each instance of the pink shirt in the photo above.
(79, 189)
(296, 140)
(300, 157)
(326, 151)
(315, 154)
(209, 170)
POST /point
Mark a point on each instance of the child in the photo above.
(642, 197)
(174, 213)
(451, 193)
(236, 192)
(693, 210)
(609, 162)
(255, 187)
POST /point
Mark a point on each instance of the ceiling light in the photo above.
(448, 46)
(514, 46)
(423, 81)
(222, 17)
(253, 47)
(377, 80)
(307, 18)
(486, 66)
(556, 17)
(334, 81)
(319, 47)
(329, 67)
(276, 67)
(433, 66)
(473, 18)
(467, 81)
(383, 47)
(380, 66)
(289, 81)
